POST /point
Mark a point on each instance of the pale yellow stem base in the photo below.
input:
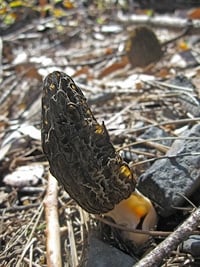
(136, 212)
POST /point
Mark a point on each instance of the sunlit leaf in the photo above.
(10, 19)
(100, 20)
(3, 10)
(16, 4)
(183, 45)
(58, 13)
(68, 4)
(149, 12)
(57, 1)
(44, 8)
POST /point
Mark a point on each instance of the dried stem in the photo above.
(132, 230)
(72, 241)
(163, 250)
(53, 230)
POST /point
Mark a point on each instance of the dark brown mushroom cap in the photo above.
(143, 47)
(79, 150)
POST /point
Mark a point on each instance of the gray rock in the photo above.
(192, 245)
(189, 102)
(156, 132)
(167, 179)
(100, 254)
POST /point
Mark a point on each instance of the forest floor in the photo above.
(89, 44)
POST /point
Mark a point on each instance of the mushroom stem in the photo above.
(135, 212)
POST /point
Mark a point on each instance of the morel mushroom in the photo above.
(83, 159)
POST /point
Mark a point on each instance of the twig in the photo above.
(141, 129)
(27, 247)
(53, 230)
(20, 208)
(155, 257)
(132, 230)
(26, 260)
(31, 239)
(162, 21)
(1, 56)
(165, 157)
(73, 248)
(174, 86)
(160, 147)
(22, 231)
(113, 118)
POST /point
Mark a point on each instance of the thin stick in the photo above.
(165, 157)
(53, 230)
(149, 141)
(31, 239)
(73, 249)
(174, 122)
(155, 257)
(132, 230)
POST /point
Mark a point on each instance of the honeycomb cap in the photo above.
(78, 148)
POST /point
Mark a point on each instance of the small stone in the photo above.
(100, 254)
(168, 180)
(189, 102)
(192, 245)
(156, 132)
(28, 175)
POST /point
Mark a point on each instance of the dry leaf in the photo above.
(29, 71)
(115, 66)
(163, 72)
(68, 4)
(83, 70)
(194, 13)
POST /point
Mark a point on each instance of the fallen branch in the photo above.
(53, 229)
(162, 21)
(155, 257)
